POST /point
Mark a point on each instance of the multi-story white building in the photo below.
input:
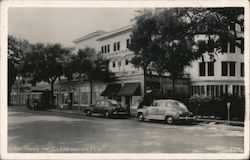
(130, 84)
(224, 73)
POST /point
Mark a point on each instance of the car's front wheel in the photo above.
(88, 113)
(140, 117)
(106, 114)
(169, 120)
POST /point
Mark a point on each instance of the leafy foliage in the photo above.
(17, 50)
(163, 40)
(90, 67)
(45, 63)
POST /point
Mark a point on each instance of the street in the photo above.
(35, 132)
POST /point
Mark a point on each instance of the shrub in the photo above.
(217, 106)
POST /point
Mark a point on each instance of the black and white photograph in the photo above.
(125, 80)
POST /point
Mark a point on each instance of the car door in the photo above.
(96, 106)
(99, 106)
(153, 111)
(162, 108)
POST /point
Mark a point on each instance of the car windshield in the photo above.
(113, 102)
(179, 105)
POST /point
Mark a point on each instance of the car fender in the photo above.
(143, 111)
(172, 113)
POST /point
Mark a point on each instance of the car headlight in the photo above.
(113, 108)
(179, 112)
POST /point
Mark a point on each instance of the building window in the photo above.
(102, 50)
(242, 74)
(128, 43)
(202, 68)
(242, 90)
(114, 47)
(217, 91)
(224, 47)
(226, 89)
(108, 50)
(212, 90)
(113, 64)
(232, 26)
(242, 45)
(118, 46)
(224, 68)
(210, 68)
(232, 46)
(202, 90)
(232, 68)
(221, 90)
(235, 90)
(126, 62)
(105, 49)
(208, 90)
(119, 64)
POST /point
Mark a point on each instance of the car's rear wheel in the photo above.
(140, 117)
(106, 114)
(169, 120)
(88, 113)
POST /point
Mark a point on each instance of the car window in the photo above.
(178, 105)
(98, 103)
(154, 104)
(168, 104)
(106, 103)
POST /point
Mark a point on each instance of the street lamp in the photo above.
(18, 79)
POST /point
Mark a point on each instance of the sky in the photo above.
(63, 25)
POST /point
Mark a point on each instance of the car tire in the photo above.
(169, 120)
(140, 117)
(88, 113)
(106, 114)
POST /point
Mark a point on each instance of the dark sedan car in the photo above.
(106, 107)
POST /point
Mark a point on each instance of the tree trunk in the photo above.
(161, 85)
(52, 94)
(144, 82)
(173, 86)
(91, 90)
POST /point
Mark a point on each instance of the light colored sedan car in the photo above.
(166, 109)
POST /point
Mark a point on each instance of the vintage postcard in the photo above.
(124, 79)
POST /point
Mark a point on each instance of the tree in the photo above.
(17, 49)
(90, 67)
(163, 40)
(158, 41)
(45, 63)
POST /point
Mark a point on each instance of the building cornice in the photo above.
(115, 32)
(94, 34)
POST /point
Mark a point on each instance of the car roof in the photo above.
(106, 100)
(166, 100)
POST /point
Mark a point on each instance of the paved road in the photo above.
(36, 132)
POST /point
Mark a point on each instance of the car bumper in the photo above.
(119, 113)
(187, 118)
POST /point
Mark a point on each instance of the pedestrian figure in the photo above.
(69, 104)
(28, 103)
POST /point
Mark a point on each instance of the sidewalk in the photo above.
(81, 114)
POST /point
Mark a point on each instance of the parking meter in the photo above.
(228, 112)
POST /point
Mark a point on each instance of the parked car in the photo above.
(169, 110)
(107, 107)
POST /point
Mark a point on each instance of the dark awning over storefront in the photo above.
(111, 90)
(130, 89)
